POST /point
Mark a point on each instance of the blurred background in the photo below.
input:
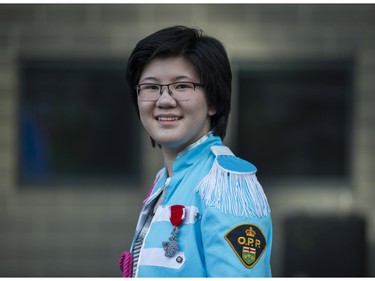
(75, 163)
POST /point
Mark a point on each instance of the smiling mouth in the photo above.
(168, 119)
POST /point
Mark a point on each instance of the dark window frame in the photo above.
(260, 69)
(97, 129)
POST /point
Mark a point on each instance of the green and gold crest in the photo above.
(248, 242)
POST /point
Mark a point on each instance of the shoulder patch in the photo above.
(235, 164)
(229, 162)
(248, 242)
(232, 187)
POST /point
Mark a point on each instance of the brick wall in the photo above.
(75, 232)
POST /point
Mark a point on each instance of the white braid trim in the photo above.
(236, 193)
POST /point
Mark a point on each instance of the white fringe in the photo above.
(236, 193)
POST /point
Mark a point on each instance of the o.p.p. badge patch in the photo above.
(248, 242)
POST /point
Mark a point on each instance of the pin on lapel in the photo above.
(178, 213)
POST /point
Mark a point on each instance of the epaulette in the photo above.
(231, 186)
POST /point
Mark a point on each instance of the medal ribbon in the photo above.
(177, 217)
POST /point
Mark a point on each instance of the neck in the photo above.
(170, 154)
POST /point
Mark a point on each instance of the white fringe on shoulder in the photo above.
(236, 193)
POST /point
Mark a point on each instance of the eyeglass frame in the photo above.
(137, 88)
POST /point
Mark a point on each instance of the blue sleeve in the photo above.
(236, 246)
(236, 224)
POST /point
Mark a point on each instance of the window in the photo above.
(77, 123)
(294, 118)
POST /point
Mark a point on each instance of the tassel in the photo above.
(232, 192)
(126, 263)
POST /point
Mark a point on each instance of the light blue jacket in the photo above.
(227, 229)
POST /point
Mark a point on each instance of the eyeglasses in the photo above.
(177, 90)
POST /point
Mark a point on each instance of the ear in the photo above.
(211, 111)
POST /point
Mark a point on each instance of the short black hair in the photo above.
(207, 55)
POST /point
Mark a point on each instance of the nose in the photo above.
(165, 99)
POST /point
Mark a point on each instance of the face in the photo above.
(171, 123)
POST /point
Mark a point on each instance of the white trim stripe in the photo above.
(156, 257)
(221, 150)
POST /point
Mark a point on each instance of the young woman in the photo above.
(206, 214)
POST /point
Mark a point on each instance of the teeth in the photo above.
(162, 118)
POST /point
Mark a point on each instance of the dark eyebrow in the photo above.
(151, 79)
(178, 78)
(146, 79)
